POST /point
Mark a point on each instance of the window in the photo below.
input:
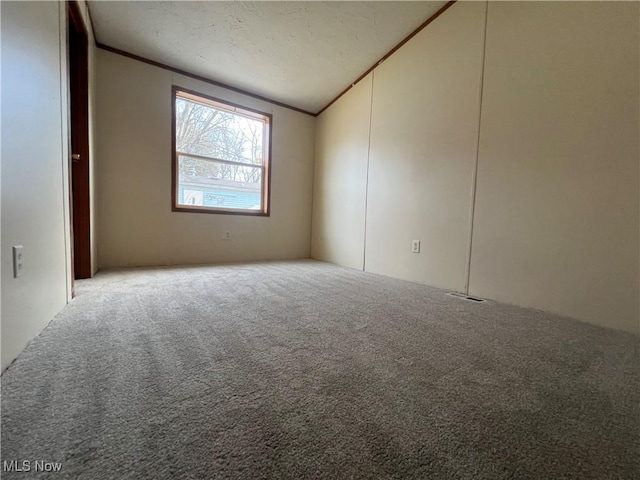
(220, 156)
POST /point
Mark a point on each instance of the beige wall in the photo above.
(556, 216)
(426, 101)
(135, 223)
(35, 209)
(93, 182)
(403, 142)
(556, 223)
(340, 178)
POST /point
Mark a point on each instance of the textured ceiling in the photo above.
(299, 53)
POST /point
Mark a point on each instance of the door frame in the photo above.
(79, 191)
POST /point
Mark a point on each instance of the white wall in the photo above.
(424, 123)
(340, 178)
(556, 224)
(35, 208)
(556, 213)
(136, 226)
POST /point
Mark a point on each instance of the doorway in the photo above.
(79, 142)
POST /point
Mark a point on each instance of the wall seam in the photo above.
(474, 181)
(366, 185)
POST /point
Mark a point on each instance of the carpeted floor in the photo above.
(308, 370)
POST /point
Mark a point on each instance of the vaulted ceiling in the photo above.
(299, 53)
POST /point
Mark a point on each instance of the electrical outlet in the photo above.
(18, 264)
(226, 235)
(415, 246)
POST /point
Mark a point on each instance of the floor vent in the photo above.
(466, 297)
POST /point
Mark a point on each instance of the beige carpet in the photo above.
(307, 370)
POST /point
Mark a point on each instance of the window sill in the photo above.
(221, 211)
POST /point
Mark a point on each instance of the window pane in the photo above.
(212, 132)
(207, 183)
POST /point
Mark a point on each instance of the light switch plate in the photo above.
(18, 264)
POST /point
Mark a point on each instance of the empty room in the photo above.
(394, 240)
